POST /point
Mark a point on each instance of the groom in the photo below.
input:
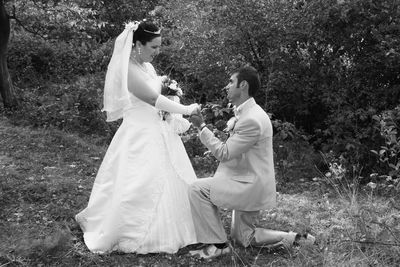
(244, 180)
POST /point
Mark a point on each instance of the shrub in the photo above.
(389, 154)
(294, 158)
(350, 135)
(72, 107)
(388, 123)
(33, 61)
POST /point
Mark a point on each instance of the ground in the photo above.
(46, 176)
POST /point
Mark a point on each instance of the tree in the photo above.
(6, 86)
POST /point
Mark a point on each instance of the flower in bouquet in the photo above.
(170, 87)
(171, 90)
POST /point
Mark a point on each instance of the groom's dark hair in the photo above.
(250, 75)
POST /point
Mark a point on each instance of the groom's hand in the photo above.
(196, 120)
(194, 109)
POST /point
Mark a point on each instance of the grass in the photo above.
(46, 177)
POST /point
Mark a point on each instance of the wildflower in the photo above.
(373, 175)
(372, 185)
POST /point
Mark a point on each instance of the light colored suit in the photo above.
(244, 180)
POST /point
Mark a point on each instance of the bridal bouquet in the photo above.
(171, 90)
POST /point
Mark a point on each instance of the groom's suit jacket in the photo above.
(245, 177)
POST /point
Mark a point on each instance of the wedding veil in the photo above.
(116, 95)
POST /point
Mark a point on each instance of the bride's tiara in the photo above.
(134, 25)
(156, 32)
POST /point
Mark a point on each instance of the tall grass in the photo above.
(371, 234)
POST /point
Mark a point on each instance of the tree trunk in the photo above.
(6, 87)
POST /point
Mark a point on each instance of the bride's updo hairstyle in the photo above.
(146, 32)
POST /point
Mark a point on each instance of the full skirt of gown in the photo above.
(139, 201)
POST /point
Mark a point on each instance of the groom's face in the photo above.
(233, 89)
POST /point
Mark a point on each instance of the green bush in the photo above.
(294, 158)
(351, 135)
(72, 107)
(388, 124)
(33, 61)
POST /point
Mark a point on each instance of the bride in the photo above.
(139, 198)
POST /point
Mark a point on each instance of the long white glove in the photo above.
(165, 104)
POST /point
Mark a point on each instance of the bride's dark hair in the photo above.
(146, 32)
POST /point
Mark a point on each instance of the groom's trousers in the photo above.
(207, 220)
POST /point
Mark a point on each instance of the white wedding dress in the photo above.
(139, 199)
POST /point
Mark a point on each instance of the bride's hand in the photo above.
(194, 109)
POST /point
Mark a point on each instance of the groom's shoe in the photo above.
(197, 246)
(211, 252)
(291, 240)
(304, 240)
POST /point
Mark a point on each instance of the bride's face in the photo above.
(150, 50)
